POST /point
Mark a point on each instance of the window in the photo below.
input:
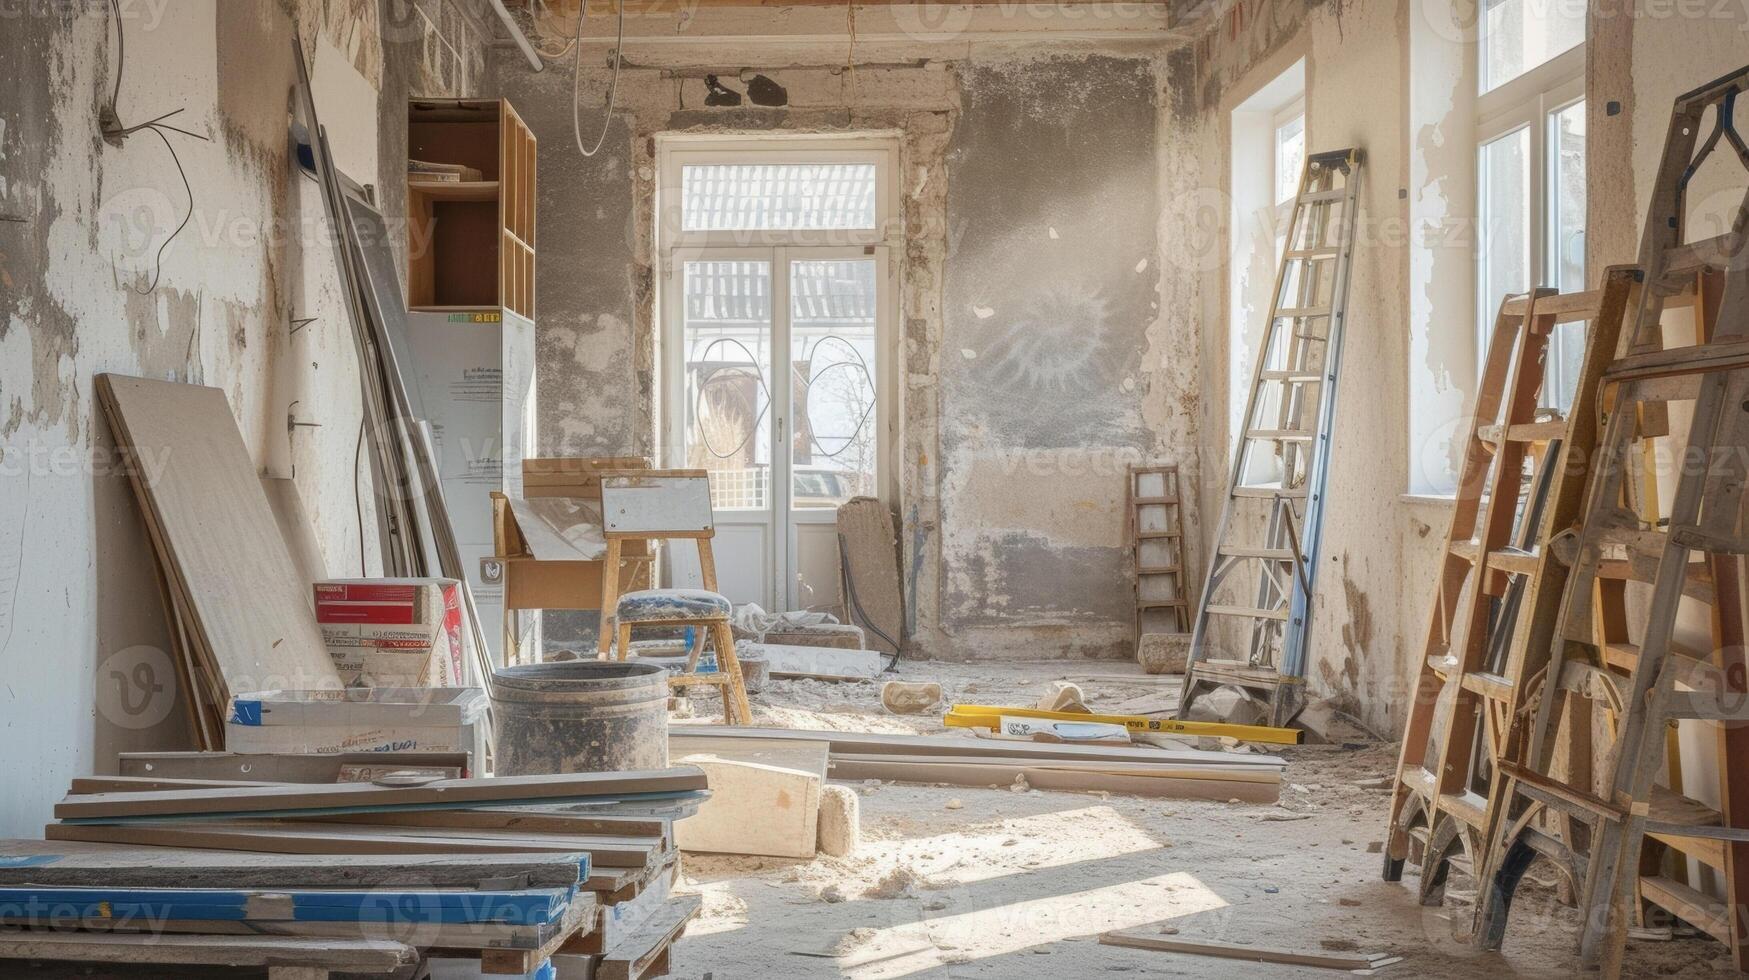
(1519, 35)
(1268, 155)
(1530, 169)
(1290, 151)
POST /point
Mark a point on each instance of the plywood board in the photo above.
(666, 505)
(448, 793)
(295, 528)
(278, 768)
(868, 743)
(871, 559)
(317, 839)
(823, 663)
(350, 955)
(805, 755)
(220, 542)
(75, 863)
(559, 528)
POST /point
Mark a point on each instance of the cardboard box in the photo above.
(379, 719)
(393, 632)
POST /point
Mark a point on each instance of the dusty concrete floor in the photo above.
(1010, 884)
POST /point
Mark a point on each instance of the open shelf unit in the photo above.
(470, 244)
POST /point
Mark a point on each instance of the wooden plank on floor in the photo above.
(1232, 951)
(73, 863)
(350, 955)
(446, 793)
(275, 767)
(263, 841)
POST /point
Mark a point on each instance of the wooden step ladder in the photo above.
(1254, 615)
(1601, 847)
(1156, 532)
(1469, 677)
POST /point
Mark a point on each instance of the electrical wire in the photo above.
(156, 125)
(357, 504)
(577, 76)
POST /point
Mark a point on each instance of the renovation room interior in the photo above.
(1251, 488)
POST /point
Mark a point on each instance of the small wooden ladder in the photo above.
(1156, 530)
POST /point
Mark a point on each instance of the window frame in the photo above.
(1287, 114)
(1530, 102)
(677, 151)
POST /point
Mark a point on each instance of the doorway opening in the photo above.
(776, 310)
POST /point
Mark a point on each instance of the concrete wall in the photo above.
(80, 226)
(1035, 360)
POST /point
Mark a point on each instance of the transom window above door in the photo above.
(777, 190)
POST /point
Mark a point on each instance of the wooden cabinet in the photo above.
(470, 241)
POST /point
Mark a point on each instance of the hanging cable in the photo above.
(115, 132)
(577, 75)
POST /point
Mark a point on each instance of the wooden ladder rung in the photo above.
(1527, 432)
(1685, 261)
(1158, 570)
(1291, 377)
(1707, 705)
(1695, 907)
(1468, 806)
(1489, 685)
(1555, 793)
(1513, 561)
(1281, 435)
(1159, 534)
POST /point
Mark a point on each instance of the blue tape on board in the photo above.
(245, 712)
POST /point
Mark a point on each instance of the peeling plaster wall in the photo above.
(1029, 189)
(1356, 79)
(80, 225)
(1051, 287)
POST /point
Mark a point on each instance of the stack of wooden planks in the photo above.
(966, 761)
(516, 873)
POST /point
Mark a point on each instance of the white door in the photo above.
(784, 447)
(776, 349)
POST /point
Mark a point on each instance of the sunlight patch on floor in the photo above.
(903, 950)
(1038, 842)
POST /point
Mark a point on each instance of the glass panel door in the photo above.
(725, 349)
(835, 412)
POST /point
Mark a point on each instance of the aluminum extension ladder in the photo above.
(1253, 620)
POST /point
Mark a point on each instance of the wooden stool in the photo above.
(704, 610)
(655, 506)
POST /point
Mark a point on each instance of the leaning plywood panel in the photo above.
(216, 534)
(871, 562)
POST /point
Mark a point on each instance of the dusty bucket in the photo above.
(579, 716)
